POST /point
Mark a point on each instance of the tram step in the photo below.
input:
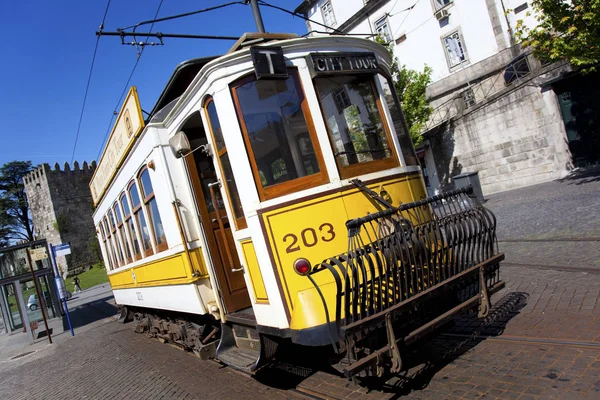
(239, 347)
(242, 359)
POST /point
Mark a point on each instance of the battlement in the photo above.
(42, 171)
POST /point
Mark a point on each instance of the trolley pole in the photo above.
(41, 299)
(260, 27)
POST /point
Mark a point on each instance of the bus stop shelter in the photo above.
(21, 308)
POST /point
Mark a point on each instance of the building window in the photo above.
(227, 173)
(155, 222)
(328, 16)
(521, 8)
(382, 28)
(517, 69)
(279, 135)
(469, 97)
(456, 52)
(359, 134)
(439, 4)
(138, 215)
(341, 100)
(130, 228)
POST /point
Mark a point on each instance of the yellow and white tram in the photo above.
(274, 195)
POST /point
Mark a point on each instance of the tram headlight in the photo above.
(302, 266)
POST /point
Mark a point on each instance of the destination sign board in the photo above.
(331, 63)
(128, 126)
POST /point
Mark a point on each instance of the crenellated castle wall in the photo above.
(61, 210)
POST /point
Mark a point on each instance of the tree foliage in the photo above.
(15, 223)
(410, 86)
(567, 30)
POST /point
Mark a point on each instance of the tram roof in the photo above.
(183, 75)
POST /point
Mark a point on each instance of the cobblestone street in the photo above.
(541, 340)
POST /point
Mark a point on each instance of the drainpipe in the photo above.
(511, 34)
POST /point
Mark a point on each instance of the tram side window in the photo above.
(356, 124)
(152, 210)
(232, 191)
(279, 135)
(113, 229)
(105, 246)
(406, 144)
(138, 215)
(111, 249)
(130, 227)
(121, 232)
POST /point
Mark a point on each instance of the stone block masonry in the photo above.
(61, 210)
(513, 141)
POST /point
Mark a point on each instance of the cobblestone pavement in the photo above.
(541, 340)
(559, 220)
(113, 362)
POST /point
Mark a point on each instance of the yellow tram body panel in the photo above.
(170, 270)
(315, 229)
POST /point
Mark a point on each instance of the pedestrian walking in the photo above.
(76, 282)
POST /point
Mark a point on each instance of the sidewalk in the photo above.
(88, 309)
(551, 224)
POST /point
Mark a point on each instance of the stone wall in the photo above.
(61, 209)
(515, 139)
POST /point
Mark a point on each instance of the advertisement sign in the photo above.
(38, 254)
(128, 126)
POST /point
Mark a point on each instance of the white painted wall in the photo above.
(424, 33)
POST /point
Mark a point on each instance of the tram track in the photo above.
(525, 340)
(553, 267)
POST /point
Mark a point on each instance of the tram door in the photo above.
(219, 235)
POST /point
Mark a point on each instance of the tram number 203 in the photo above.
(309, 237)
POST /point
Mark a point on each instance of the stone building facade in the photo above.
(496, 109)
(61, 210)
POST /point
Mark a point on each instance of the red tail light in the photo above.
(302, 266)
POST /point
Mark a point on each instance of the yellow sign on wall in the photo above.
(128, 126)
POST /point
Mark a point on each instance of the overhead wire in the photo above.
(87, 86)
(295, 14)
(114, 113)
(405, 18)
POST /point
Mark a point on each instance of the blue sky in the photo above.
(46, 49)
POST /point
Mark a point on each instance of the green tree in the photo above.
(567, 30)
(410, 86)
(14, 209)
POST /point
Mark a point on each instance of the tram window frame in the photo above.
(147, 199)
(109, 245)
(106, 250)
(135, 211)
(121, 232)
(361, 168)
(221, 153)
(130, 230)
(118, 246)
(293, 185)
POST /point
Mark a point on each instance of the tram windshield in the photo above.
(277, 129)
(353, 118)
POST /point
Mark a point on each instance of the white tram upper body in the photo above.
(273, 135)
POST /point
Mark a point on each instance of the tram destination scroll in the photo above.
(334, 63)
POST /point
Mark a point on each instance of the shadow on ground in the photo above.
(421, 362)
(431, 355)
(582, 176)
(89, 312)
